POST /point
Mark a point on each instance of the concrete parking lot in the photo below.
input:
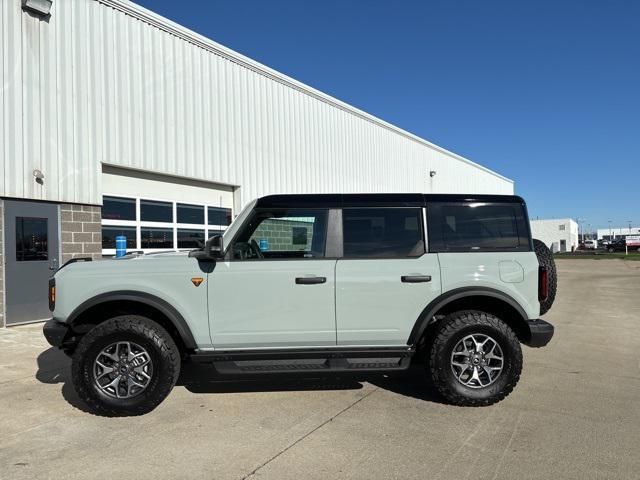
(575, 413)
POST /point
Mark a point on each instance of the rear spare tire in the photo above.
(545, 259)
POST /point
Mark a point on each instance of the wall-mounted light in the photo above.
(39, 176)
(432, 173)
(41, 7)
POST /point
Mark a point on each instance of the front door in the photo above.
(31, 240)
(276, 287)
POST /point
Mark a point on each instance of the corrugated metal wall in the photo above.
(107, 81)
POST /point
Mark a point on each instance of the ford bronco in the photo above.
(315, 283)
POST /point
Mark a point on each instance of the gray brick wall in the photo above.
(1, 263)
(80, 231)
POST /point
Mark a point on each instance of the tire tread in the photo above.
(449, 327)
(143, 326)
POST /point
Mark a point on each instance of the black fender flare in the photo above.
(157, 303)
(443, 300)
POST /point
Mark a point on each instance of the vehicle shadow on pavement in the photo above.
(203, 379)
(55, 367)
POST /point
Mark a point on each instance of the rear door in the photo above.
(385, 278)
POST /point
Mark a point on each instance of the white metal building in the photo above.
(560, 235)
(615, 233)
(106, 103)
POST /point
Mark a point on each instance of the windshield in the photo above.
(232, 229)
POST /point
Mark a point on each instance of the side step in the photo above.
(308, 361)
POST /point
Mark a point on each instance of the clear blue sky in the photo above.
(545, 92)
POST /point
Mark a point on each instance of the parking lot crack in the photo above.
(330, 419)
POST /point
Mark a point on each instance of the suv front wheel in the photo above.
(475, 358)
(125, 366)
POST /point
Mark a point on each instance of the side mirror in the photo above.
(213, 247)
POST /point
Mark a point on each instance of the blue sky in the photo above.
(545, 92)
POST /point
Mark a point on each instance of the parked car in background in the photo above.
(630, 243)
(590, 244)
(618, 245)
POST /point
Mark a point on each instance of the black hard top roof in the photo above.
(338, 200)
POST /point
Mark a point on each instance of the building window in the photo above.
(31, 239)
(115, 208)
(152, 211)
(109, 235)
(382, 232)
(157, 224)
(562, 227)
(188, 238)
(190, 213)
(156, 237)
(219, 216)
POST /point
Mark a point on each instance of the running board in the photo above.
(307, 361)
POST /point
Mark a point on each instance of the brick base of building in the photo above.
(80, 231)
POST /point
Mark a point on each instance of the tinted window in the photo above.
(114, 208)
(156, 237)
(477, 227)
(188, 238)
(109, 235)
(295, 233)
(382, 232)
(190, 213)
(151, 211)
(219, 216)
(31, 239)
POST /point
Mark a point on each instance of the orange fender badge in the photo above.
(197, 281)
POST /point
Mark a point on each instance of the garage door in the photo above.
(156, 212)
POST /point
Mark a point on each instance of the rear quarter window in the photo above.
(478, 227)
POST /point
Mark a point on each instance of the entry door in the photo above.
(31, 239)
(385, 279)
(277, 288)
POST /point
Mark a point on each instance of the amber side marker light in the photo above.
(197, 281)
(52, 294)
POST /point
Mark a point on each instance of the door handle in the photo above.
(415, 278)
(310, 280)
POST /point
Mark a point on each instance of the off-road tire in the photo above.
(453, 328)
(158, 343)
(545, 259)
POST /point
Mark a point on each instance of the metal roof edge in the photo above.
(163, 23)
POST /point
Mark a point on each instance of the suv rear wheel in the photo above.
(125, 366)
(475, 358)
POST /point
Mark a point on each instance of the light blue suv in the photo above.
(315, 283)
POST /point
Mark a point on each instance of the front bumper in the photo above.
(55, 332)
(539, 333)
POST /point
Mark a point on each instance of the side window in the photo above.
(382, 232)
(282, 234)
(465, 227)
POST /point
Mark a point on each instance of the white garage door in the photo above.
(156, 212)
